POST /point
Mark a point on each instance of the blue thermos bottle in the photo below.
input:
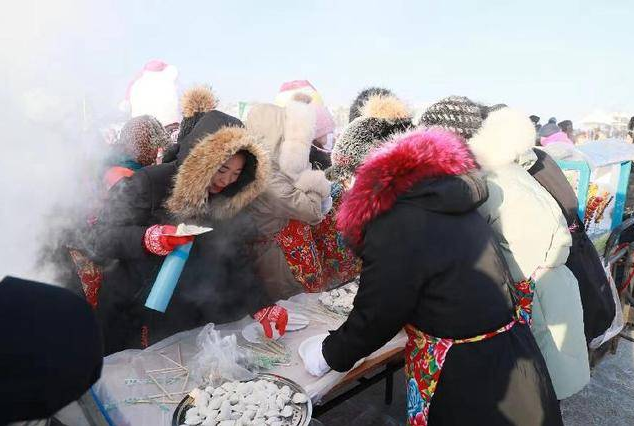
(167, 278)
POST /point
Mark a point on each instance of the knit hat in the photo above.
(362, 97)
(457, 114)
(141, 138)
(565, 125)
(195, 102)
(381, 117)
(549, 129)
(290, 88)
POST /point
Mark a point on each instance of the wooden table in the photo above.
(357, 380)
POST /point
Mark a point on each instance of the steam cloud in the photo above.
(55, 97)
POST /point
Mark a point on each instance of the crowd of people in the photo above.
(460, 230)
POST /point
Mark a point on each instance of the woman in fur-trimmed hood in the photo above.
(431, 265)
(225, 170)
(531, 228)
(296, 198)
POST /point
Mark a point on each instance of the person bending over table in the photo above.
(220, 169)
(431, 265)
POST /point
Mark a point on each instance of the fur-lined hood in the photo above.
(190, 199)
(287, 133)
(506, 134)
(395, 169)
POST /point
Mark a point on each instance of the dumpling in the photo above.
(300, 398)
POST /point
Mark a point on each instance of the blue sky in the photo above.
(561, 58)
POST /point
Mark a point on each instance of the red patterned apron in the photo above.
(297, 243)
(425, 354)
(90, 275)
(339, 263)
(317, 256)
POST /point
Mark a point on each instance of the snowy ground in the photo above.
(609, 398)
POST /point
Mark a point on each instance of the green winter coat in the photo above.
(536, 241)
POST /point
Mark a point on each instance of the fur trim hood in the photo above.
(394, 169)
(505, 135)
(197, 99)
(287, 133)
(190, 199)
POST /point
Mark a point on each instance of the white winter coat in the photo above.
(535, 239)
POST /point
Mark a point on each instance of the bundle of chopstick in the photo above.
(269, 352)
(176, 371)
(319, 313)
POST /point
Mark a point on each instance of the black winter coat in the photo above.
(583, 261)
(430, 260)
(217, 283)
(51, 349)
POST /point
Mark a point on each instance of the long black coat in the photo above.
(583, 260)
(430, 260)
(217, 283)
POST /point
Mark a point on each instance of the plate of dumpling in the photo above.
(267, 400)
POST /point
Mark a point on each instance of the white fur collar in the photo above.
(299, 132)
(505, 135)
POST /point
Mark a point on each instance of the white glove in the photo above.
(314, 361)
(326, 205)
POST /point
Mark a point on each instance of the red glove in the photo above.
(272, 314)
(156, 241)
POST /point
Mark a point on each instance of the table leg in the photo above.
(389, 386)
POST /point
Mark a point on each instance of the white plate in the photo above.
(296, 322)
(254, 333)
(307, 344)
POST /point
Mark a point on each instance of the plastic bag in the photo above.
(219, 358)
(617, 322)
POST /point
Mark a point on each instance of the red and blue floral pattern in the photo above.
(425, 354)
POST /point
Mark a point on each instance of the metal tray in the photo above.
(302, 413)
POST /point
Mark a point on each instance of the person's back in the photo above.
(536, 242)
(583, 261)
(287, 261)
(433, 266)
(532, 231)
(468, 278)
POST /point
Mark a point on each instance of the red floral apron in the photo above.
(297, 243)
(339, 263)
(90, 275)
(317, 256)
(425, 354)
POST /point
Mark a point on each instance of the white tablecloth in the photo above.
(124, 377)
